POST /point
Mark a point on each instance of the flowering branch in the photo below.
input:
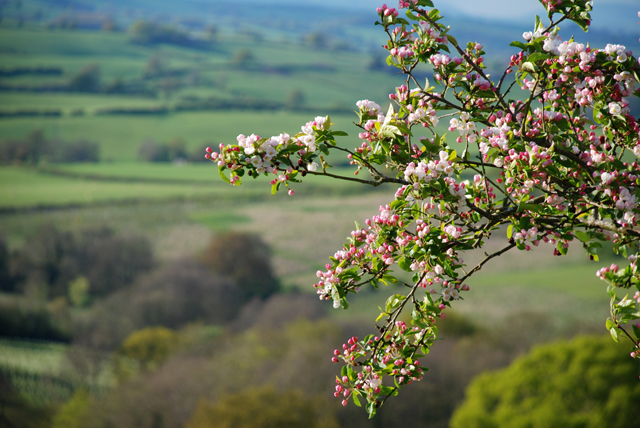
(551, 167)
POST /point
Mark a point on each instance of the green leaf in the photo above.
(405, 264)
(371, 409)
(614, 334)
(509, 231)
(339, 134)
(610, 324)
(582, 236)
(274, 188)
(562, 249)
(389, 278)
(529, 66)
(530, 207)
(538, 23)
(486, 94)
(222, 175)
(517, 44)
(394, 302)
(537, 56)
(411, 16)
(355, 399)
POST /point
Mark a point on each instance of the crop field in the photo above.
(43, 372)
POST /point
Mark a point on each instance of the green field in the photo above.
(120, 136)
(25, 188)
(129, 182)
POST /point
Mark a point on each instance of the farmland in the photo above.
(150, 225)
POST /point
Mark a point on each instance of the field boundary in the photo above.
(59, 172)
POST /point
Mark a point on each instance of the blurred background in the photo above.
(139, 290)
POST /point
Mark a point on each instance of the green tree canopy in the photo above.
(586, 382)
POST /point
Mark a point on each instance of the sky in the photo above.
(604, 10)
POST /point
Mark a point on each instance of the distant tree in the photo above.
(36, 145)
(116, 86)
(150, 151)
(211, 30)
(109, 25)
(245, 258)
(142, 31)
(79, 291)
(69, 415)
(156, 67)
(47, 257)
(177, 149)
(55, 258)
(295, 99)
(7, 283)
(28, 318)
(177, 294)
(584, 383)
(317, 40)
(77, 151)
(17, 409)
(87, 79)
(169, 85)
(262, 408)
(110, 261)
(243, 58)
(148, 32)
(149, 347)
